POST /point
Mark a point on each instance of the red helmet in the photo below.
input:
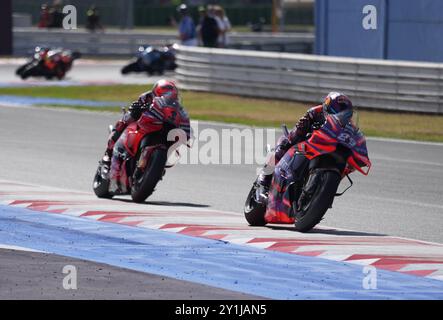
(165, 88)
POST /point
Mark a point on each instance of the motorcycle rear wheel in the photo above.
(320, 202)
(101, 185)
(144, 186)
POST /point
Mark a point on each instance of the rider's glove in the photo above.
(302, 127)
(282, 146)
(134, 106)
(135, 110)
(146, 98)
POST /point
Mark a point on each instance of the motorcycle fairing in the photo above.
(135, 132)
(326, 139)
(126, 149)
(286, 173)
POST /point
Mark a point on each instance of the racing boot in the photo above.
(263, 183)
(106, 160)
(113, 137)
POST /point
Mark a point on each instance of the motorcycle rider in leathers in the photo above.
(335, 103)
(149, 104)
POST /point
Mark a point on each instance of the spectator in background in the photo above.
(56, 15)
(224, 26)
(208, 28)
(93, 19)
(44, 16)
(186, 27)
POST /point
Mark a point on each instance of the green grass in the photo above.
(249, 111)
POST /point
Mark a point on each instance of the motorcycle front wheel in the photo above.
(132, 67)
(320, 200)
(28, 71)
(144, 182)
(21, 69)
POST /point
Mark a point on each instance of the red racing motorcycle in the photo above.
(333, 151)
(48, 63)
(139, 157)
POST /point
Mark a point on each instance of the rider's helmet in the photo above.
(165, 88)
(183, 8)
(339, 105)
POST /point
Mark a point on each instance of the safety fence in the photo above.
(125, 42)
(376, 84)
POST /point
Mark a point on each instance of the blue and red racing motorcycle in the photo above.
(333, 151)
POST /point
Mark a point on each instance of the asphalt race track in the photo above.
(50, 218)
(42, 272)
(401, 196)
(104, 72)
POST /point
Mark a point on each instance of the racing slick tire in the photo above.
(144, 185)
(101, 184)
(321, 200)
(253, 210)
(132, 67)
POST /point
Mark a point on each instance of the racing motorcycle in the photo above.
(139, 158)
(333, 152)
(152, 60)
(48, 63)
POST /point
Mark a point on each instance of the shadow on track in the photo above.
(166, 203)
(329, 231)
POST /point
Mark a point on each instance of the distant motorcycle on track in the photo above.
(333, 152)
(48, 63)
(152, 60)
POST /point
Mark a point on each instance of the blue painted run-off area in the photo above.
(211, 262)
(26, 101)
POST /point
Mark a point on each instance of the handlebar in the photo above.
(285, 130)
